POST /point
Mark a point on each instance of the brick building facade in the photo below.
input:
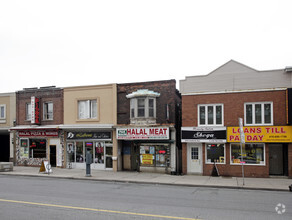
(148, 126)
(39, 112)
(210, 122)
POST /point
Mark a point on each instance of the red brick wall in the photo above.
(184, 158)
(234, 109)
(54, 95)
(233, 106)
(168, 95)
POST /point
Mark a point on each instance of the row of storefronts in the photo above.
(138, 148)
(152, 127)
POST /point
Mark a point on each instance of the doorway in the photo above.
(278, 159)
(53, 158)
(194, 158)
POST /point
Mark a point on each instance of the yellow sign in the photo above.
(276, 134)
(147, 159)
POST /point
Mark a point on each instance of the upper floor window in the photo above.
(143, 106)
(28, 111)
(48, 111)
(87, 109)
(258, 113)
(2, 112)
(210, 115)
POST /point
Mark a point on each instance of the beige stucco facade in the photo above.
(92, 129)
(106, 97)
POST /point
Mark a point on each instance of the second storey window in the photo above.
(48, 111)
(258, 113)
(210, 115)
(2, 112)
(28, 111)
(87, 109)
(143, 107)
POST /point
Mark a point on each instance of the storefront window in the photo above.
(160, 156)
(251, 153)
(99, 152)
(79, 152)
(71, 152)
(215, 153)
(37, 148)
(24, 148)
(154, 155)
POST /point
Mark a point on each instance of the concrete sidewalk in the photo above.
(277, 183)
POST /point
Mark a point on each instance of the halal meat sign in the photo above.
(35, 110)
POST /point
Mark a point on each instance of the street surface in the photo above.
(50, 198)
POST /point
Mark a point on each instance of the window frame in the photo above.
(134, 107)
(253, 104)
(45, 113)
(206, 153)
(89, 114)
(248, 164)
(206, 106)
(28, 112)
(3, 106)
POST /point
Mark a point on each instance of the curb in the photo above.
(146, 183)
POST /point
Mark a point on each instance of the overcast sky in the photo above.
(71, 43)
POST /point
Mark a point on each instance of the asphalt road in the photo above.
(49, 198)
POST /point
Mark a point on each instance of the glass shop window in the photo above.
(154, 155)
(79, 152)
(37, 148)
(99, 152)
(251, 153)
(215, 153)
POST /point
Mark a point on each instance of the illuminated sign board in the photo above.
(35, 110)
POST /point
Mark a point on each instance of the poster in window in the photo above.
(24, 148)
(147, 159)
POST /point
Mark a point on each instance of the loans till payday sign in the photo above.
(153, 133)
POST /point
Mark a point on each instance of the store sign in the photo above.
(89, 135)
(153, 133)
(261, 134)
(35, 110)
(37, 133)
(204, 134)
(147, 159)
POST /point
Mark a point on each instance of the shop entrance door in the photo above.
(53, 160)
(276, 159)
(195, 158)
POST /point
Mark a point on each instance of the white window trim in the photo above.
(247, 164)
(214, 114)
(263, 113)
(26, 112)
(97, 109)
(3, 119)
(44, 112)
(4, 107)
(206, 158)
(134, 104)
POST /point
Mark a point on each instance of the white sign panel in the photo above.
(152, 133)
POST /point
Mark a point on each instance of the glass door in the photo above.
(108, 157)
